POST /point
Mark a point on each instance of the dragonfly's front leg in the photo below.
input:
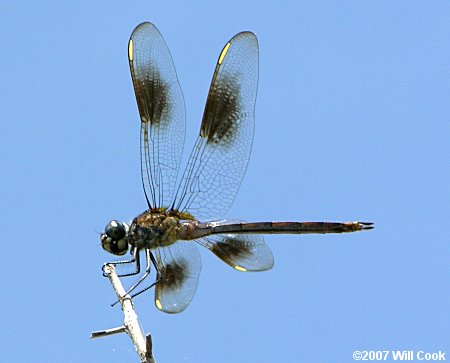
(134, 259)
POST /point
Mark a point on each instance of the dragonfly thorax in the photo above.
(155, 228)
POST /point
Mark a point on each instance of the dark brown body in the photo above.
(159, 228)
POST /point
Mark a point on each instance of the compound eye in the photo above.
(115, 230)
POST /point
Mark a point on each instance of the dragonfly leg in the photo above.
(134, 259)
(149, 261)
(159, 276)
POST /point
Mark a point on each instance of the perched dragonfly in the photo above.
(179, 218)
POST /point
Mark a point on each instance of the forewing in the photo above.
(220, 156)
(240, 251)
(161, 108)
(180, 266)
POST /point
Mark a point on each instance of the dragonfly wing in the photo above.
(162, 111)
(240, 251)
(220, 156)
(180, 266)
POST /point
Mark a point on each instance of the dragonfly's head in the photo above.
(115, 238)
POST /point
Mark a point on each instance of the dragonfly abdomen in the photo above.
(204, 229)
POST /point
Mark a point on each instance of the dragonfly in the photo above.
(181, 217)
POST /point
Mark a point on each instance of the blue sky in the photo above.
(352, 123)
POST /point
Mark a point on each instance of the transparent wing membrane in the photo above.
(220, 156)
(240, 251)
(162, 111)
(180, 267)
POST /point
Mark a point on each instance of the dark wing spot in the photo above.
(222, 111)
(173, 274)
(229, 249)
(152, 96)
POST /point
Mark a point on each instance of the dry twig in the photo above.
(143, 345)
